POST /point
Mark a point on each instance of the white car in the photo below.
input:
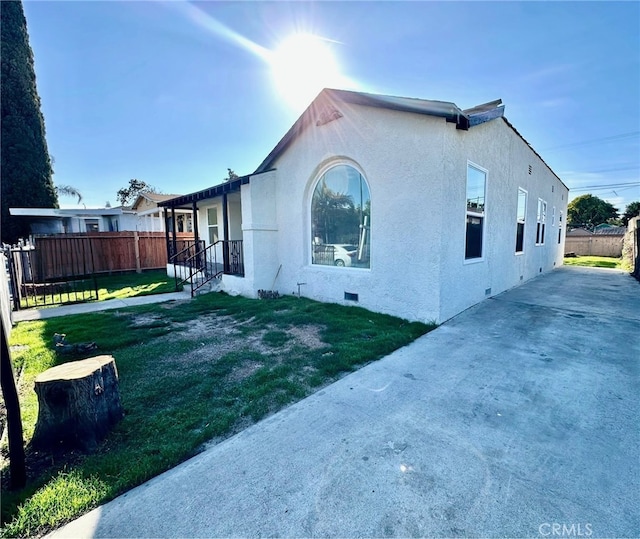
(344, 253)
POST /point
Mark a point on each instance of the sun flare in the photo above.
(302, 65)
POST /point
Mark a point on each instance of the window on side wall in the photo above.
(542, 219)
(560, 228)
(476, 187)
(522, 213)
(341, 219)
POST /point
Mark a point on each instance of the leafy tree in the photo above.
(632, 210)
(231, 175)
(68, 191)
(128, 195)
(589, 211)
(25, 163)
(334, 216)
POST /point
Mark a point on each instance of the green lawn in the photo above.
(594, 262)
(116, 286)
(191, 372)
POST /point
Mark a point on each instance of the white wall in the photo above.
(400, 155)
(497, 148)
(416, 169)
(260, 233)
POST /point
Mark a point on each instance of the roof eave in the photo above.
(211, 192)
(441, 109)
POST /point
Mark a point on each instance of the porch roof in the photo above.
(186, 201)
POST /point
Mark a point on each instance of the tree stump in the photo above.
(78, 402)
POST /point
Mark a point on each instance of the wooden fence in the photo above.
(102, 252)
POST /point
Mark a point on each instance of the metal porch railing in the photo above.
(199, 265)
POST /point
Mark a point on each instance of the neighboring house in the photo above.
(67, 221)
(149, 216)
(605, 240)
(143, 216)
(435, 207)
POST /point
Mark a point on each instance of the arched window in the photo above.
(341, 219)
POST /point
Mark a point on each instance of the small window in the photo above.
(542, 219)
(184, 222)
(341, 219)
(560, 228)
(476, 188)
(92, 225)
(522, 212)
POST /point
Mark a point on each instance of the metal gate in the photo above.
(62, 271)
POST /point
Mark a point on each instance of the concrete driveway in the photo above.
(518, 418)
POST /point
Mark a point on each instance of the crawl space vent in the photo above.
(350, 297)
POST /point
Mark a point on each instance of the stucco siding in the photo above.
(260, 233)
(506, 157)
(400, 155)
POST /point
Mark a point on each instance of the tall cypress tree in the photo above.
(26, 167)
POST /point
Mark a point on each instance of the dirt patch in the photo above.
(146, 320)
(244, 371)
(308, 336)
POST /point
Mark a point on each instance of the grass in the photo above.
(595, 262)
(117, 286)
(190, 373)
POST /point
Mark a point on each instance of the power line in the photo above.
(607, 185)
(611, 138)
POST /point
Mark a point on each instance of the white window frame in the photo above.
(523, 220)
(312, 187)
(560, 228)
(541, 221)
(482, 215)
(210, 226)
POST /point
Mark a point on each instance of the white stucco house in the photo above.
(410, 207)
(70, 221)
(149, 217)
(143, 215)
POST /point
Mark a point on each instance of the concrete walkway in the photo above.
(82, 308)
(517, 418)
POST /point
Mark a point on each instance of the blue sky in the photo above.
(173, 94)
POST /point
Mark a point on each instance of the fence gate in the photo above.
(58, 271)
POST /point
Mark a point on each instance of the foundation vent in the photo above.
(350, 296)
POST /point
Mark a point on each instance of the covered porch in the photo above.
(216, 248)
